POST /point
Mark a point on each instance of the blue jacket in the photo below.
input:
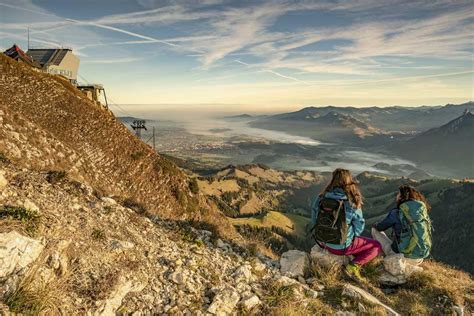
(354, 217)
(392, 220)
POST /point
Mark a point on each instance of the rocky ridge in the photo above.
(100, 257)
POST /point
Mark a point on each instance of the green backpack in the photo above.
(415, 238)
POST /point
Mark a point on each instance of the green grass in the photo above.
(292, 223)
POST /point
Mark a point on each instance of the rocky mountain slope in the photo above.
(64, 250)
(447, 147)
(48, 124)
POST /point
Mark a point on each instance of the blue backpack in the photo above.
(415, 238)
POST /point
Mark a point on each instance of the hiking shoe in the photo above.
(352, 271)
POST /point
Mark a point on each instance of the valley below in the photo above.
(265, 180)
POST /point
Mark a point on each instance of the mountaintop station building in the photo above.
(58, 61)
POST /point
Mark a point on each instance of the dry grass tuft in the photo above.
(34, 297)
(284, 300)
(326, 276)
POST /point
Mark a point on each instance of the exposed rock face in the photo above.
(113, 302)
(398, 269)
(17, 252)
(243, 273)
(294, 263)
(359, 294)
(224, 302)
(3, 180)
(250, 302)
(325, 258)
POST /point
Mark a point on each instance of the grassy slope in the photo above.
(291, 223)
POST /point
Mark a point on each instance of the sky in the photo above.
(258, 55)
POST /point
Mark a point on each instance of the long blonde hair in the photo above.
(342, 178)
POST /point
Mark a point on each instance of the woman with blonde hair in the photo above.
(338, 222)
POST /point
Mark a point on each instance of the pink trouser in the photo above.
(363, 249)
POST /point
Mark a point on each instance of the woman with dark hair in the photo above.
(411, 226)
(337, 222)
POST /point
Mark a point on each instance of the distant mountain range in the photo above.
(328, 125)
(450, 146)
(244, 117)
(395, 118)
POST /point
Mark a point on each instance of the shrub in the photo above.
(134, 205)
(31, 219)
(4, 158)
(166, 166)
(193, 186)
(137, 155)
(55, 176)
(98, 234)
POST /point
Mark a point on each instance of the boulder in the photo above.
(224, 302)
(17, 252)
(113, 302)
(258, 266)
(359, 294)
(250, 302)
(387, 278)
(398, 269)
(294, 263)
(108, 201)
(30, 205)
(243, 273)
(301, 290)
(326, 259)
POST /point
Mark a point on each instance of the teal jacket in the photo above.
(354, 217)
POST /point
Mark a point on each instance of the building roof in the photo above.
(48, 56)
(91, 86)
(18, 54)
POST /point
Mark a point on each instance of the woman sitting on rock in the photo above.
(411, 227)
(337, 222)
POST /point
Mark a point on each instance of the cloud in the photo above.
(383, 41)
(113, 60)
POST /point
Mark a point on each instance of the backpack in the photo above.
(415, 238)
(331, 226)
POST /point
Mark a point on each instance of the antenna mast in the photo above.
(28, 37)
